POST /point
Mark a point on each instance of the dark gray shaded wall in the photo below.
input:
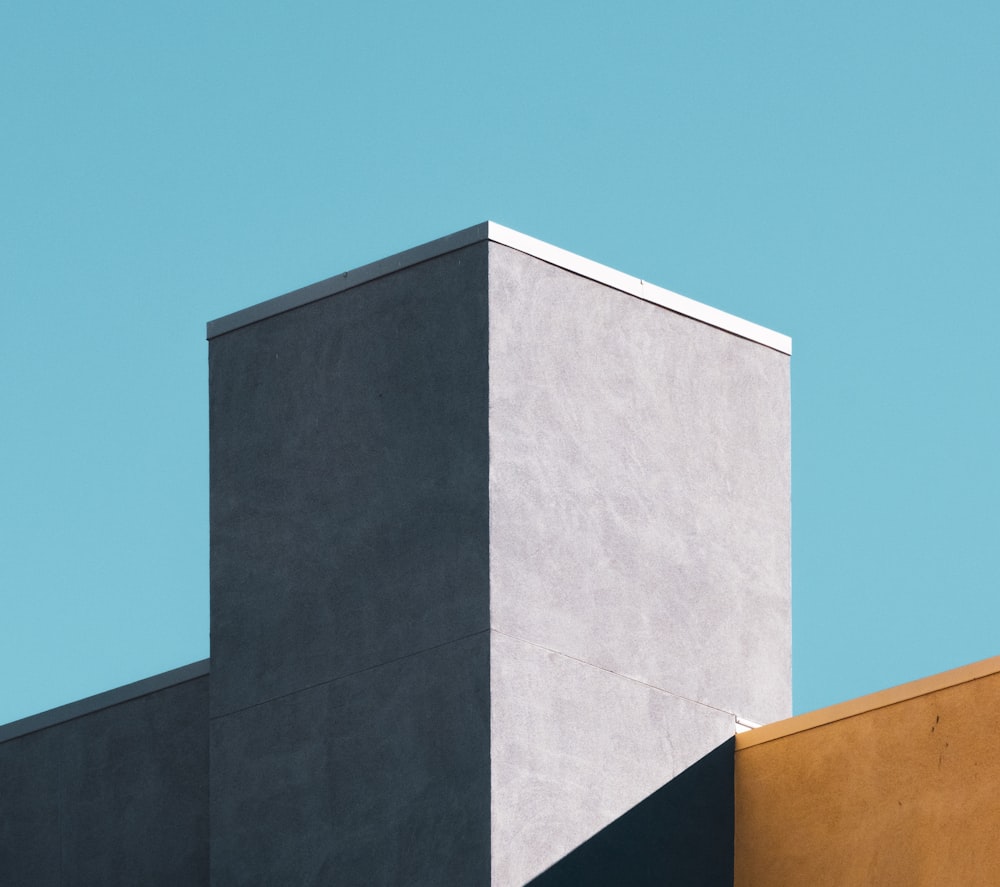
(349, 461)
(380, 777)
(115, 797)
(350, 571)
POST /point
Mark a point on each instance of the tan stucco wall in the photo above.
(904, 793)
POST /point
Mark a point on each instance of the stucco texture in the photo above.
(574, 748)
(377, 778)
(639, 489)
(116, 797)
(486, 449)
(349, 481)
(900, 795)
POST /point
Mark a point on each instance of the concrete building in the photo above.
(500, 545)
(500, 566)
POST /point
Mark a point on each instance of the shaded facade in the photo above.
(110, 790)
(500, 563)
(500, 581)
(500, 546)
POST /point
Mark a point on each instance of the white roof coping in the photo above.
(561, 258)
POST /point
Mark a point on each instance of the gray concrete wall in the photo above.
(639, 489)
(376, 778)
(639, 551)
(497, 552)
(349, 481)
(682, 835)
(118, 796)
(574, 748)
(350, 598)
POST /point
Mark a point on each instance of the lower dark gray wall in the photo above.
(377, 779)
(115, 797)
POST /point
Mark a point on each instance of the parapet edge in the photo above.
(870, 702)
(91, 704)
(539, 249)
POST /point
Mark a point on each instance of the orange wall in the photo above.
(877, 791)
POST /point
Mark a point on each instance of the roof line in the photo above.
(107, 699)
(340, 282)
(871, 702)
(639, 288)
(546, 252)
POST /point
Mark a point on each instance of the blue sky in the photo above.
(828, 170)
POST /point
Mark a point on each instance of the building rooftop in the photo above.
(491, 231)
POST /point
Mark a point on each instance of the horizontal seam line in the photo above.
(617, 674)
(349, 674)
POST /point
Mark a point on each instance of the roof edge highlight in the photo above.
(870, 702)
(639, 288)
(539, 249)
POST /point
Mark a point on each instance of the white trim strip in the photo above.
(561, 258)
(648, 292)
(743, 725)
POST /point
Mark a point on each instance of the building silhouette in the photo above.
(499, 578)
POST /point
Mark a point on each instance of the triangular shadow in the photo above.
(681, 835)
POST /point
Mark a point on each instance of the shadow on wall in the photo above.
(682, 834)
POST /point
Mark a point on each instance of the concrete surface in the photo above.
(639, 489)
(118, 796)
(681, 835)
(377, 778)
(574, 747)
(500, 550)
(349, 484)
(483, 444)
